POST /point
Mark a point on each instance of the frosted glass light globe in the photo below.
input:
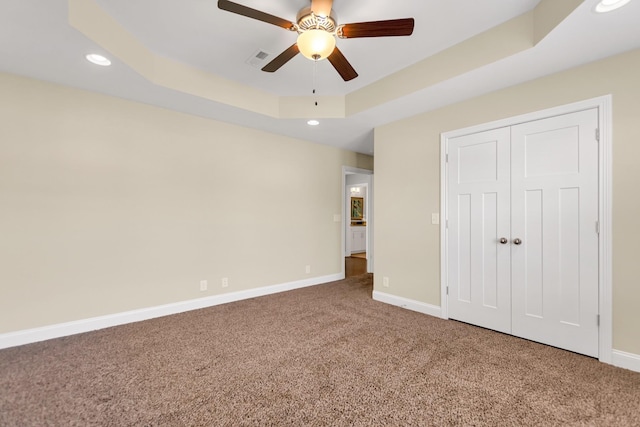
(316, 44)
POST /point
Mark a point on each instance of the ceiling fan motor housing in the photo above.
(307, 20)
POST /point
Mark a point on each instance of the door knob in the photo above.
(517, 241)
(503, 240)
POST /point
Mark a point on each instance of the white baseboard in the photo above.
(409, 304)
(27, 336)
(625, 360)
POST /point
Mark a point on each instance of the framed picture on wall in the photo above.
(357, 207)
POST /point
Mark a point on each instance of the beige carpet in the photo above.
(324, 355)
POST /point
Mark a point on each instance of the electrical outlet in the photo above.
(203, 285)
(225, 282)
(307, 269)
(385, 282)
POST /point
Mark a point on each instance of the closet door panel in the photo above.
(478, 209)
(554, 207)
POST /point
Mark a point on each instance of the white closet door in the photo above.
(554, 200)
(478, 206)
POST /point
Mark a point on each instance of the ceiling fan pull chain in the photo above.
(315, 67)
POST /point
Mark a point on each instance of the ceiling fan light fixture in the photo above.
(317, 30)
(316, 44)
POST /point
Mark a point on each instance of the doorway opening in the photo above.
(357, 236)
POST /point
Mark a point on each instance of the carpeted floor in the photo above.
(324, 355)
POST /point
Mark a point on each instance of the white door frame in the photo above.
(605, 206)
(346, 219)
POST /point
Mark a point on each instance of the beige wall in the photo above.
(108, 205)
(407, 164)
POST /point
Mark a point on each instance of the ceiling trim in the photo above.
(509, 38)
(514, 36)
(548, 14)
(94, 22)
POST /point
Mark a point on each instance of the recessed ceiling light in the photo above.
(98, 59)
(313, 123)
(609, 5)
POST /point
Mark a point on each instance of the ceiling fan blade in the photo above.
(342, 66)
(392, 27)
(253, 13)
(321, 7)
(281, 59)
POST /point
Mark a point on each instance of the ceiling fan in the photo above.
(317, 30)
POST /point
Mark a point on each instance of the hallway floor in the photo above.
(355, 264)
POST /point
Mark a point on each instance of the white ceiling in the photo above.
(37, 41)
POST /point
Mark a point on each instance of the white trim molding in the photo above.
(409, 304)
(625, 360)
(28, 336)
(605, 208)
